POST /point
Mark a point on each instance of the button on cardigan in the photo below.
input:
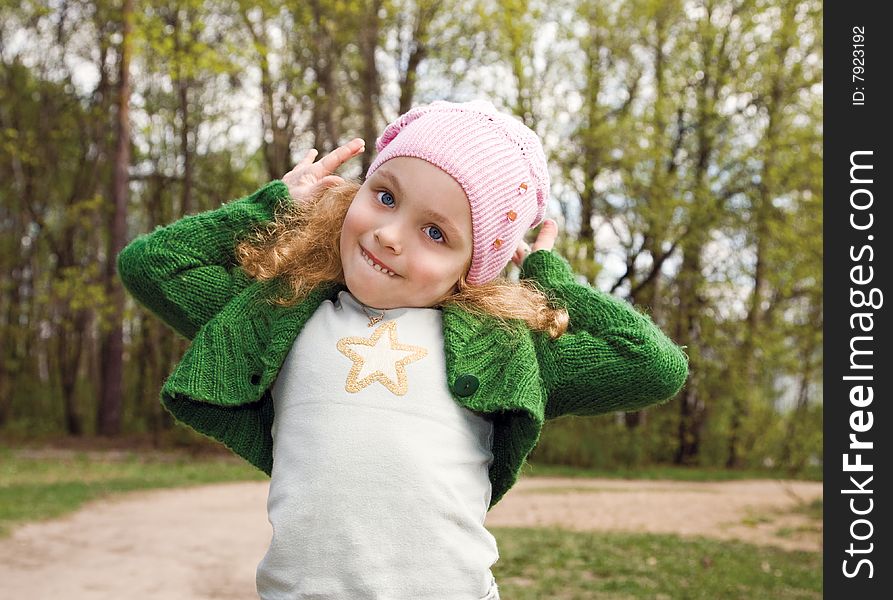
(465, 385)
(611, 358)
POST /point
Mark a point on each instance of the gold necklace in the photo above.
(373, 319)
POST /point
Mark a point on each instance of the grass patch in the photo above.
(797, 532)
(664, 472)
(757, 519)
(39, 487)
(813, 510)
(555, 564)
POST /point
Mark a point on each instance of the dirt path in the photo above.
(205, 542)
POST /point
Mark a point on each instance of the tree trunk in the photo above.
(418, 49)
(69, 350)
(691, 406)
(277, 124)
(186, 189)
(11, 334)
(370, 79)
(12, 330)
(183, 82)
(746, 363)
(327, 131)
(807, 353)
(109, 412)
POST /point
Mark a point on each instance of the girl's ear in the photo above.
(458, 287)
(462, 284)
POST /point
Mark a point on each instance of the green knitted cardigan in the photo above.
(611, 358)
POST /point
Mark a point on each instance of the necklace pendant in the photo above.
(373, 319)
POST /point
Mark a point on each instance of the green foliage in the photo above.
(552, 563)
(595, 444)
(786, 445)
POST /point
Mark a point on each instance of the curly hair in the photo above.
(301, 245)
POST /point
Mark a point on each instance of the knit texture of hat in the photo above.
(498, 161)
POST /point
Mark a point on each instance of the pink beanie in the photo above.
(498, 161)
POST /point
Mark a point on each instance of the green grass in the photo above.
(555, 564)
(664, 472)
(813, 510)
(44, 487)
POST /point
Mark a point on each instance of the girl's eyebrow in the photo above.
(392, 179)
(451, 230)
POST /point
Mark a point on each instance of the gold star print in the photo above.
(377, 359)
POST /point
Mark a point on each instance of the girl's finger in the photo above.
(546, 238)
(308, 158)
(299, 168)
(518, 257)
(340, 155)
(521, 253)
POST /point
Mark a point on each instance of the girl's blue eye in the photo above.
(434, 233)
(386, 198)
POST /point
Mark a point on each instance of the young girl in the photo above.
(356, 343)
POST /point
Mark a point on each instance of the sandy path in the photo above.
(205, 542)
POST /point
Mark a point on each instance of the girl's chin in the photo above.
(372, 298)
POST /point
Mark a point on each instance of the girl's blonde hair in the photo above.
(301, 245)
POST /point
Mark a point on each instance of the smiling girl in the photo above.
(358, 343)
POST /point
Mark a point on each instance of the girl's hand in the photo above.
(544, 241)
(308, 176)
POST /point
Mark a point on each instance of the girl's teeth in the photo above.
(375, 265)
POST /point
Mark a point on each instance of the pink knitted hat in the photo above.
(498, 161)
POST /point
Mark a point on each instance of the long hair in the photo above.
(301, 246)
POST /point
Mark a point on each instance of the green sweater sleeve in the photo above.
(186, 272)
(611, 358)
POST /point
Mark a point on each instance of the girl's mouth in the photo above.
(375, 264)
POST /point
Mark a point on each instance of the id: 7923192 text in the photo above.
(859, 66)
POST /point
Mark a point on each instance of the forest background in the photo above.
(684, 140)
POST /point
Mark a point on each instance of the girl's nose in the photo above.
(388, 237)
